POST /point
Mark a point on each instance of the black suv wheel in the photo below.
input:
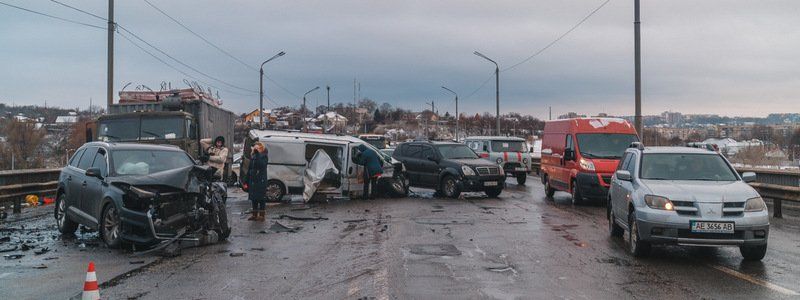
(110, 226)
(450, 187)
(65, 225)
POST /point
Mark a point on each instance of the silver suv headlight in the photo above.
(467, 171)
(658, 202)
(755, 204)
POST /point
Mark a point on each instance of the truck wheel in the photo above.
(521, 178)
(613, 229)
(110, 226)
(275, 191)
(753, 253)
(549, 191)
(577, 198)
(494, 193)
(65, 225)
(450, 187)
(636, 246)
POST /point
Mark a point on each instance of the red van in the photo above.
(580, 155)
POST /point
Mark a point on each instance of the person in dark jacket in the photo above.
(257, 182)
(373, 168)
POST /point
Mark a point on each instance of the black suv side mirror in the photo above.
(94, 172)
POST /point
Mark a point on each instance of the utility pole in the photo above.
(457, 115)
(261, 89)
(637, 119)
(496, 85)
(110, 64)
(327, 87)
(551, 113)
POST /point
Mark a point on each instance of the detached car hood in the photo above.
(187, 179)
(701, 191)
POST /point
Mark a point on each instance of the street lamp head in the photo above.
(281, 53)
(485, 57)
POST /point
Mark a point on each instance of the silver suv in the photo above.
(685, 196)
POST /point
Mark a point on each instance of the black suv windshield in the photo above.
(681, 166)
(146, 162)
(508, 146)
(456, 152)
(604, 145)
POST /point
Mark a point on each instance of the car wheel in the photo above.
(65, 225)
(221, 220)
(753, 253)
(549, 191)
(399, 186)
(450, 187)
(494, 193)
(275, 191)
(636, 246)
(521, 178)
(577, 198)
(110, 226)
(613, 229)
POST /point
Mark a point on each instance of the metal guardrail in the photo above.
(778, 185)
(15, 185)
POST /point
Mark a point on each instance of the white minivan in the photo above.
(291, 152)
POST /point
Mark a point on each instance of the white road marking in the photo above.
(754, 280)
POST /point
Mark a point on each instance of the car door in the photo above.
(92, 194)
(82, 180)
(564, 173)
(72, 184)
(616, 191)
(626, 187)
(429, 170)
(355, 172)
(410, 156)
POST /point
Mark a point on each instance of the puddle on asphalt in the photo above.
(435, 249)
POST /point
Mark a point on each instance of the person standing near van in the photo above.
(373, 168)
(257, 182)
(217, 153)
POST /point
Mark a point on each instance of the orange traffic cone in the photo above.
(90, 289)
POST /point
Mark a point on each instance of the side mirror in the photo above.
(94, 172)
(623, 175)
(432, 158)
(749, 177)
(569, 154)
(485, 148)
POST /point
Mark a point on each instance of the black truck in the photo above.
(171, 121)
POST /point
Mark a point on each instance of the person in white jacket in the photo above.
(217, 153)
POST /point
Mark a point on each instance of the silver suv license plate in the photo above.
(712, 227)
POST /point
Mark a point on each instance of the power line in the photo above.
(80, 10)
(182, 63)
(52, 16)
(559, 37)
(217, 47)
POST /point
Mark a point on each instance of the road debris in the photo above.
(290, 217)
(355, 221)
(41, 251)
(41, 266)
(257, 249)
(237, 254)
(435, 249)
(13, 256)
(136, 262)
(280, 227)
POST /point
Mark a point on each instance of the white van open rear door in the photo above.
(353, 174)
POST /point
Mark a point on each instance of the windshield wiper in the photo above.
(151, 133)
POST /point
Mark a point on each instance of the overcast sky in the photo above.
(736, 58)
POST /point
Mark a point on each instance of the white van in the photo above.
(291, 152)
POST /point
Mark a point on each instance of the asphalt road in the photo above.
(518, 246)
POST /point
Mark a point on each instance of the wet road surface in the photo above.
(521, 245)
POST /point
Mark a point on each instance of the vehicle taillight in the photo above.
(484, 155)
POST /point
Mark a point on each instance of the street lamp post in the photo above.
(327, 87)
(457, 116)
(496, 85)
(261, 89)
(304, 113)
(637, 118)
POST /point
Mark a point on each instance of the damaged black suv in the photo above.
(142, 194)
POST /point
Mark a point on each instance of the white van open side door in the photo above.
(353, 174)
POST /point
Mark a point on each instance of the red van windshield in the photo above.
(604, 145)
